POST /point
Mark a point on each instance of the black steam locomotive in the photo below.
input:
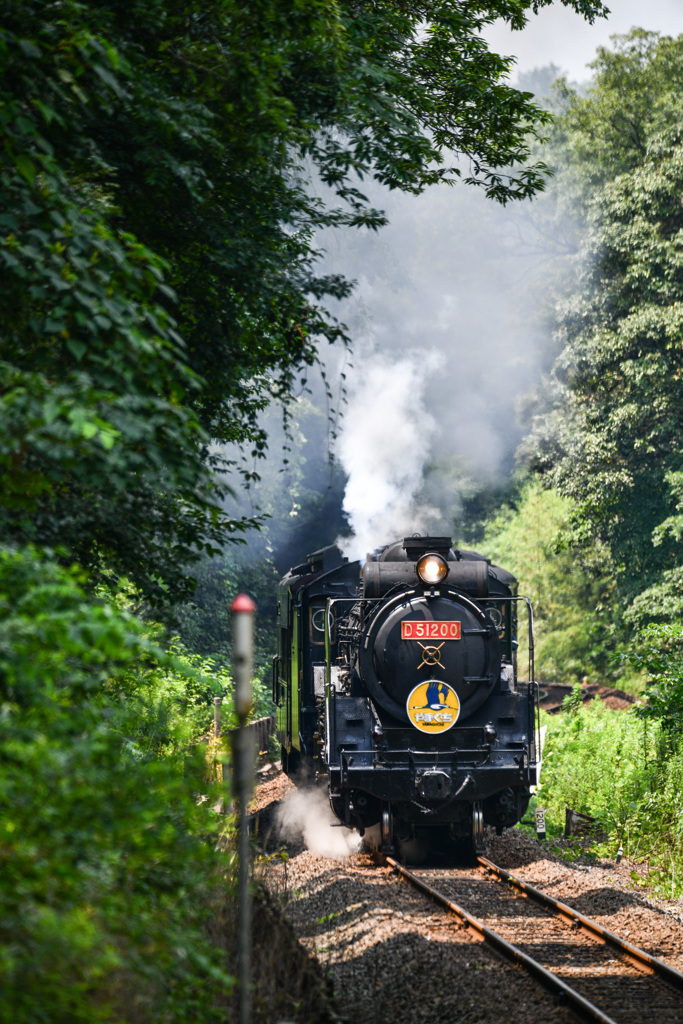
(396, 684)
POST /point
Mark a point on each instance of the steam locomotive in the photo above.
(396, 686)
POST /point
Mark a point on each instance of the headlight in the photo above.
(432, 568)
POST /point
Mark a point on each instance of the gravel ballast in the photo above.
(390, 952)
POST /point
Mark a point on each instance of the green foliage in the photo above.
(662, 602)
(574, 700)
(159, 289)
(101, 451)
(609, 439)
(571, 590)
(105, 877)
(610, 435)
(656, 651)
(624, 371)
(635, 96)
(168, 703)
(298, 497)
(156, 234)
(619, 769)
(204, 622)
(163, 706)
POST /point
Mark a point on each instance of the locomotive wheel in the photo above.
(386, 822)
(468, 847)
(477, 838)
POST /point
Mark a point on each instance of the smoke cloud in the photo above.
(449, 326)
(305, 814)
(383, 447)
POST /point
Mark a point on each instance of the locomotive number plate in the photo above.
(421, 630)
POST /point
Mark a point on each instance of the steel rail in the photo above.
(636, 955)
(566, 995)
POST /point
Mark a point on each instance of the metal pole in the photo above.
(243, 609)
(226, 802)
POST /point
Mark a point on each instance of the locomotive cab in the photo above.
(396, 684)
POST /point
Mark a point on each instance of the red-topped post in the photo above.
(242, 610)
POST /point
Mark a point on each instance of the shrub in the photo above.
(621, 770)
(105, 874)
(656, 651)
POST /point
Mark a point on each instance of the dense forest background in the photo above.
(583, 499)
(170, 174)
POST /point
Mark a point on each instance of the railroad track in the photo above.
(595, 973)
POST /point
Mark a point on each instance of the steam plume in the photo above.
(383, 447)
(454, 295)
(305, 814)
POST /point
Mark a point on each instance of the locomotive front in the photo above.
(400, 691)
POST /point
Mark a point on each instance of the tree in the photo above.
(570, 594)
(157, 233)
(612, 439)
(635, 96)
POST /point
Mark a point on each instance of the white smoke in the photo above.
(306, 815)
(450, 325)
(384, 444)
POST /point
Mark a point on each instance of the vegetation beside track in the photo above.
(626, 772)
(107, 879)
(160, 288)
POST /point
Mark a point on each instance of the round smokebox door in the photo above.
(413, 640)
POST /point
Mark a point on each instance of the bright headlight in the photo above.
(432, 568)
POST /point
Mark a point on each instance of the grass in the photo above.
(628, 774)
